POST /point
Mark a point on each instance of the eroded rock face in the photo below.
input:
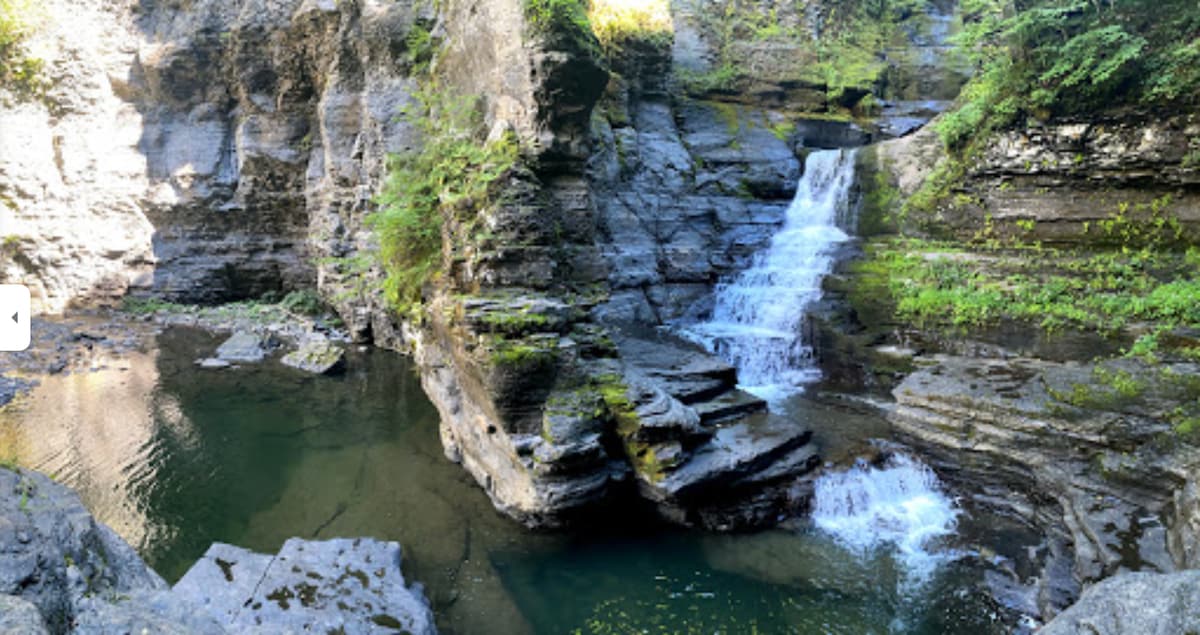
(201, 152)
(55, 556)
(1150, 603)
(1111, 485)
(1060, 181)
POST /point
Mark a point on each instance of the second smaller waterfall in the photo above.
(899, 504)
(758, 318)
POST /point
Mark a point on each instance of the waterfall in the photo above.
(898, 505)
(758, 320)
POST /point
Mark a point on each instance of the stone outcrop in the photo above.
(1058, 182)
(341, 585)
(317, 355)
(1111, 486)
(55, 556)
(62, 571)
(526, 351)
(19, 617)
(1149, 603)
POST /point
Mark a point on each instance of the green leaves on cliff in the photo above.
(1043, 58)
(449, 177)
(19, 71)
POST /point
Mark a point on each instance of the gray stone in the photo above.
(344, 585)
(1142, 603)
(243, 346)
(994, 425)
(212, 362)
(19, 617)
(158, 612)
(55, 555)
(317, 355)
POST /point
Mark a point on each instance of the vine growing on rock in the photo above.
(452, 174)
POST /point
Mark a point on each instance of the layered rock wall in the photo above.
(200, 153)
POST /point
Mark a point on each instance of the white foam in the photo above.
(899, 505)
(758, 318)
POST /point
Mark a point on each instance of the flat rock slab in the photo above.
(318, 356)
(243, 346)
(344, 585)
(751, 450)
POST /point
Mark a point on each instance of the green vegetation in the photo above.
(19, 71)
(846, 58)
(615, 393)
(622, 26)
(564, 24)
(452, 175)
(937, 284)
(305, 302)
(1121, 386)
(1047, 58)
(269, 308)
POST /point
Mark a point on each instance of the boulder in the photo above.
(243, 346)
(19, 617)
(56, 556)
(333, 586)
(1142, 603)
(317, 355)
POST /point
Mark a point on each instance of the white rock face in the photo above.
(201, 152)
(72, 181)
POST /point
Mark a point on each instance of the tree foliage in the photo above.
(1044, 58)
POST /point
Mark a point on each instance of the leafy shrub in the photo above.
(304, 302)
(451, 175)
(19, 71)
(622, 24)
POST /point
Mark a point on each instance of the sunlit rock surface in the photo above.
(340, 585)
(62, 571)
(1144, 603)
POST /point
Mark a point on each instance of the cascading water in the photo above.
(758, 319)
(900, 505)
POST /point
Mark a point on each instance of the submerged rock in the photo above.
(244, 346)
(317, 355)
(1142, 603)
(342, 585)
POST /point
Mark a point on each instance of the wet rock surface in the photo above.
(1109, 486)
(1149, 603)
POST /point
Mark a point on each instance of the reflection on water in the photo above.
(175, 457)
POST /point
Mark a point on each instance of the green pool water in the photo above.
(175, 457)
